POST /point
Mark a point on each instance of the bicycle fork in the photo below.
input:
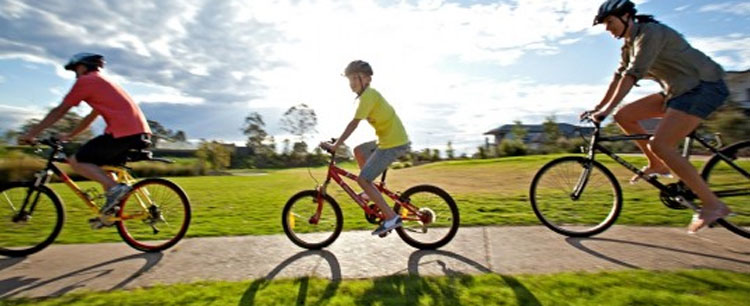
(582, 182)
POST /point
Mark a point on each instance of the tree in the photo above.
(160, 133)
(551, 134)
(214, 154)
(731, 122)
(449, 152)
(518, 130)
(254, 129)
(299, 120)
(66, 124)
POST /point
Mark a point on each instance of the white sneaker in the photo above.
(114, 195)
(388, 225)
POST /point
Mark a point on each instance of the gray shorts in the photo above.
(702, 100)
(378, 160)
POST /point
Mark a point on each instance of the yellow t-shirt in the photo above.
(373, 107)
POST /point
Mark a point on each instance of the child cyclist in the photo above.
(126, 127)
(373, 159)
(693, 88)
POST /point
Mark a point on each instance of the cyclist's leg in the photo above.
(375, 165)
(363, 152)
(628, 117)
(682, 117)
(90, 157)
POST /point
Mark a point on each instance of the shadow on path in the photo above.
(248, 298)
(9, 262)
(523, 295)
(92, 273)
(578, 244)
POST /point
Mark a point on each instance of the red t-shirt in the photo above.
(122, 115)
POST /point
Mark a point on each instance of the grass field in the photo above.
(488, 192)
(635, 287)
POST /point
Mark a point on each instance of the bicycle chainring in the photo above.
(668, 197)
(373, 218)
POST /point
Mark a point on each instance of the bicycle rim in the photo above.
(155, 215)
(732, 187)
(433, 219)
(300, 226)
(35, 231)
(595, 210)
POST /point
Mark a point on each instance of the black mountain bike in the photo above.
(577, 196)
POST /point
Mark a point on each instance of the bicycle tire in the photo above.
(290, 214)
(420, 196)
(157, 193)
(10, 194)
(564, 192)
(722, 179)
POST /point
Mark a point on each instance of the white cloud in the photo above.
(731, 51)
(12, 117)
(741, 8)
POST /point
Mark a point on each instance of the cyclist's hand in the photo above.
(327, 146)
(585, 114)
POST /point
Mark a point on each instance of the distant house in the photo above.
(739, 87)
(535, 133)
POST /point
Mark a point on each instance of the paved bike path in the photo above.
(61, 269)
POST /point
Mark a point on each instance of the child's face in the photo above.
(357, 82)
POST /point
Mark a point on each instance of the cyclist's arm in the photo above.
(84, 124)
(610, 91)
(347, 132)
(623, 88)
(52, 117)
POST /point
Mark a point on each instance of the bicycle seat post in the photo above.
(687, 145)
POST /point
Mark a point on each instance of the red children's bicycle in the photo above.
(312, 219)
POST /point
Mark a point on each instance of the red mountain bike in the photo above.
(312, 219)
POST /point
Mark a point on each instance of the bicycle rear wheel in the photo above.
(434, 221)
(28, 229)
(155, 215)
(732, 186)
(297, 219)
(554, 203)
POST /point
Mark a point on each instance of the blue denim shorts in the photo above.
(379, 159)
(702, 100)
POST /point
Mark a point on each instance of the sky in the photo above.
(452, 70)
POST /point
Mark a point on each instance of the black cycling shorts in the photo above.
(107, 150)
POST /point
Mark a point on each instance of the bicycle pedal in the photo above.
(383, 235)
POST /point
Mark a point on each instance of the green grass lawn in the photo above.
(634, 287)
(488, 192)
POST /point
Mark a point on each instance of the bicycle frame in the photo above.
(337, 174)
(689, 139)
(119, 174)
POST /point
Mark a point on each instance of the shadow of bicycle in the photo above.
(8, 287)
(248, 298)
(10, 261)
(443, 258)
(578, 243)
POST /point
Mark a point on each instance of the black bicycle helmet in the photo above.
(91, 60)
(614, 7)
(358, 66)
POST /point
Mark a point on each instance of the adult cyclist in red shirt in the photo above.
(693, 88)
(126, 125)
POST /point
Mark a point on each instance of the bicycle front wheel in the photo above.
(732, 185)
(155, 215)
(432, 219)
(27, 229)
(556, 204)
(310, 224)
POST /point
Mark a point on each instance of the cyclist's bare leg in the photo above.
(651, 106)
(360, 157)
(92, 172)
(376, 197)
(673, 129)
